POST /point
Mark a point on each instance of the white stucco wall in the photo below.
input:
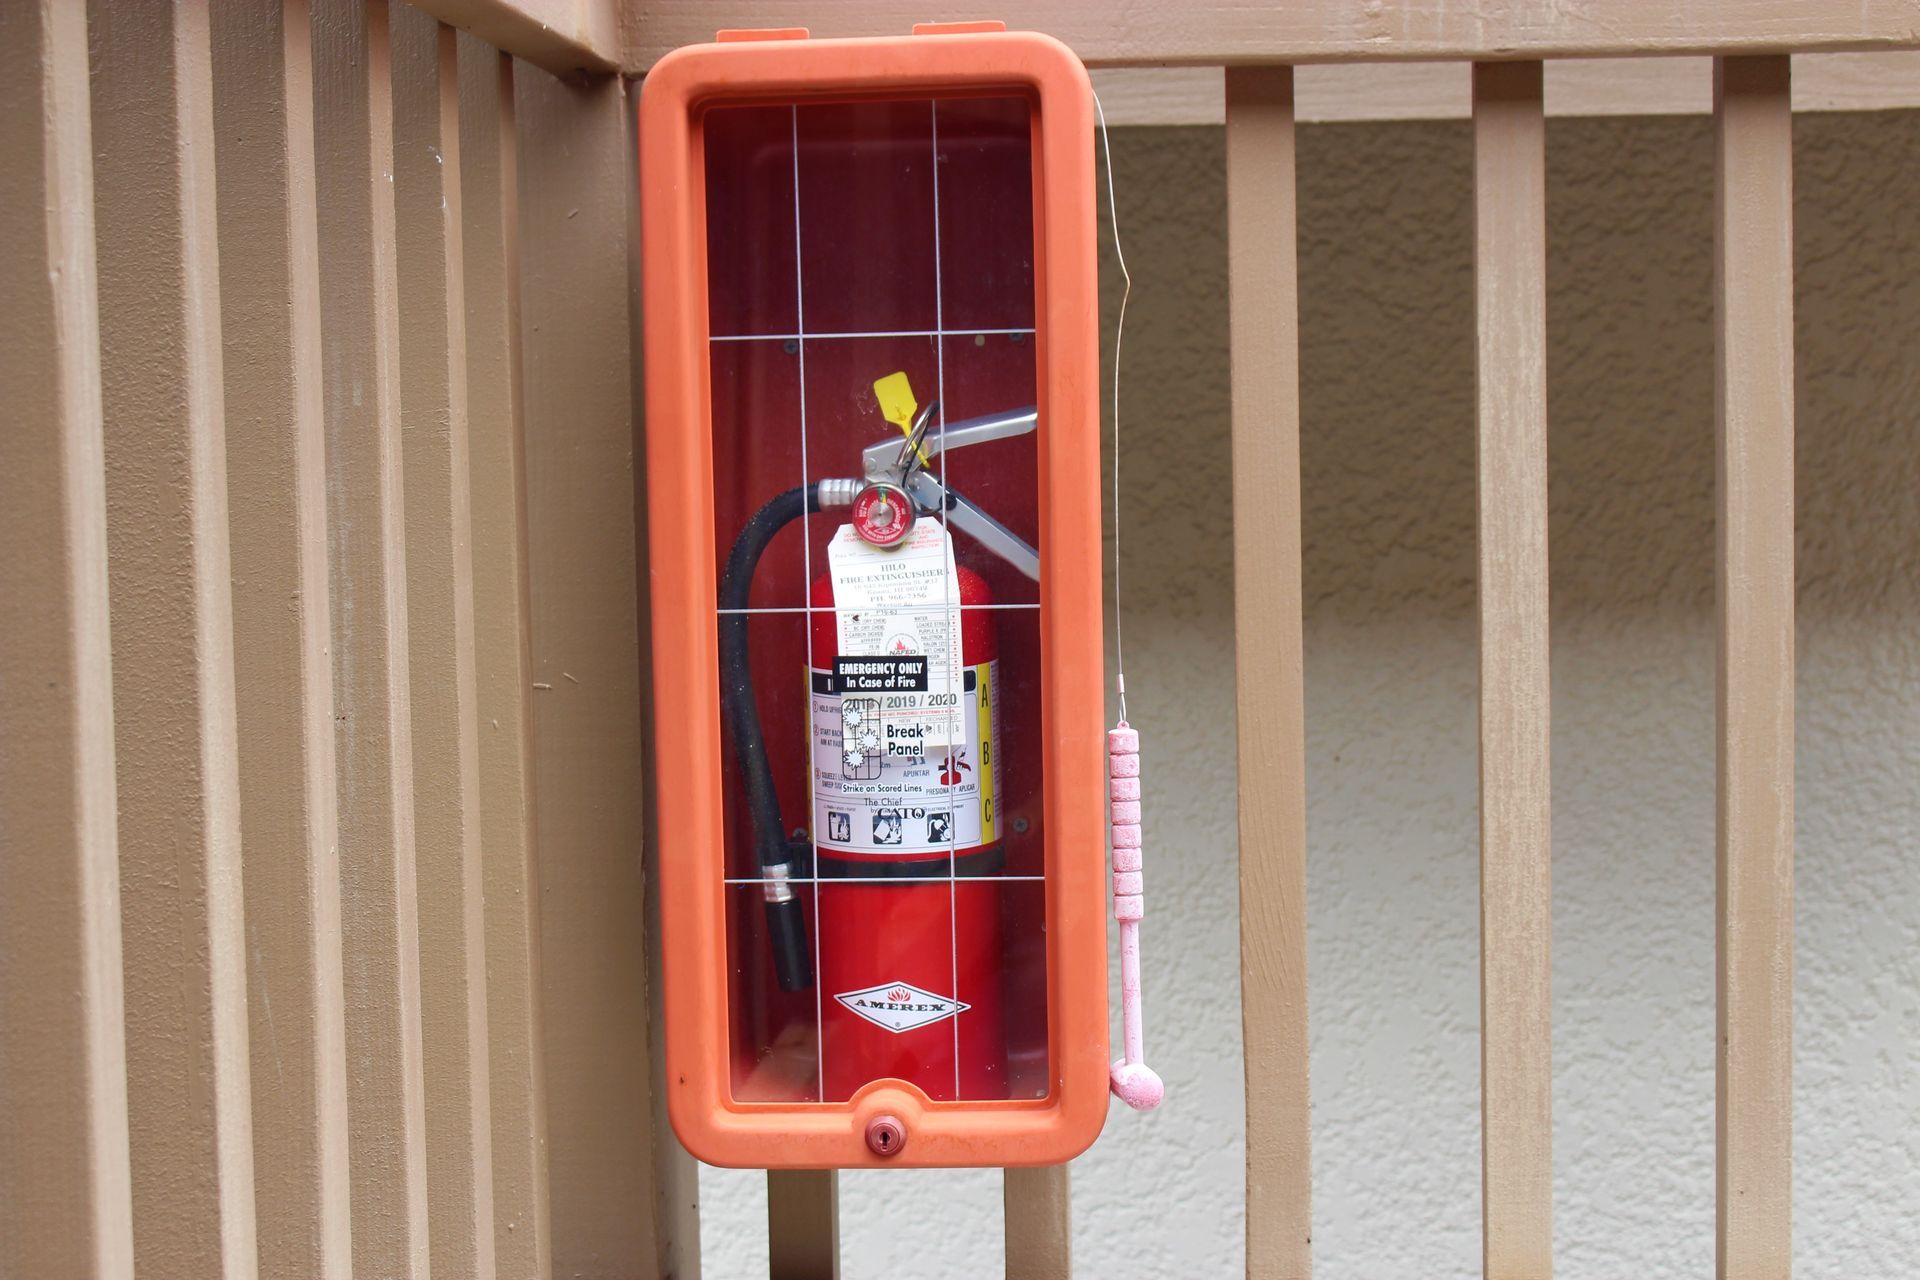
(1388, 472)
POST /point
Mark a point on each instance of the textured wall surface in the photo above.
(1387, 357)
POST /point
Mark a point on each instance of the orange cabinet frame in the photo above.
(778, 69)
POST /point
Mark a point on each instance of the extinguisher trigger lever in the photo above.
(977, 524)
(909, 465)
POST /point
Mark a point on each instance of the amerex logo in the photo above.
(901, 1006)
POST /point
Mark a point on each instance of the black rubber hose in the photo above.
(786, 924)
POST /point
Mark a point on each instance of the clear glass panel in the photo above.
(885, 858)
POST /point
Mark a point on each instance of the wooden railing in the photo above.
(1752, 110)
(320, 514)
(322, 632)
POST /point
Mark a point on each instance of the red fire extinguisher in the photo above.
(905, 846)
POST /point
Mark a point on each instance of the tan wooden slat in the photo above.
(276, 471)
(446, 749)
(803, 1224)
(502, 660)
(1753, 168)
(175, 741)
(353, 121)
(1264, 316)
(560, 36)
(579, 357)
(1516, 897)
(1241, 32)
(1038, 1210)
(65, 1201)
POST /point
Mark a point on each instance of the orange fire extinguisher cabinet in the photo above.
(874, 543)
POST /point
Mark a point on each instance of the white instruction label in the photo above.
(901, 607)
(868, 803)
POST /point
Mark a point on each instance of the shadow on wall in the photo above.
(1388, 379)
(1386, 248)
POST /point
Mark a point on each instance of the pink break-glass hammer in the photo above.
(1134, 1082)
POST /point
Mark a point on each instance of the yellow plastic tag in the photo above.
(897, 404)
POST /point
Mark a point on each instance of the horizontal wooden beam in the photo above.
(1166, 68)
(1246, 32)
(1443, 90)
(565, 37)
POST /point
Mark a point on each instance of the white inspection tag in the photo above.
(898, 617)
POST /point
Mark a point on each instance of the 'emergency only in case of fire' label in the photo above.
(897, 604)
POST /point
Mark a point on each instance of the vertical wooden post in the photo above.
(446, 748)
(1753, 170)
(65, 1202)
(1264, 318)
(803, 1224)
(1038, 1210)
(1516, 897)
(489, 203)
(577, 228)
(169, 583)
(353, 115)
(276, 462)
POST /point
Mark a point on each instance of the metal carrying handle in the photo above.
(887, 460)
